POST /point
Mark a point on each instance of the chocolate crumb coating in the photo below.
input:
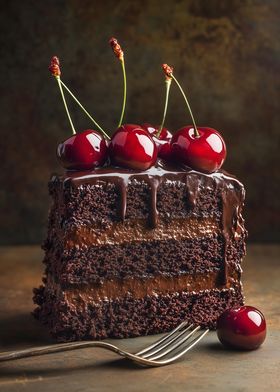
(116, 225)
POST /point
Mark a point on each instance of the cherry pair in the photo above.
(205, 152)
(131, 147)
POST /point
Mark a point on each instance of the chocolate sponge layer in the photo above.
(128, 317)
(90, 204)
(140, 259)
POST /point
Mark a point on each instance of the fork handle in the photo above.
(36, 351)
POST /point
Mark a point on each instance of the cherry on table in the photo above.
(242, 328)
(205, 152)
(132, 147)
(162, 142)
(83, 151)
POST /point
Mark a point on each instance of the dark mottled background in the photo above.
(226, 54)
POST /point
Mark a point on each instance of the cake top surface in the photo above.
(161, 170)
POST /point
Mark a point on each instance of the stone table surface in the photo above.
(209, 367)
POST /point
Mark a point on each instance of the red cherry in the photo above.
(132, 147)
(205, 153)
(163, 142)
(242, 328)
(83, 151)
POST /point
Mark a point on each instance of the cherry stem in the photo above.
(59, 82)
(168, 84)
(124, 92)
(86, 112)
(196, 133)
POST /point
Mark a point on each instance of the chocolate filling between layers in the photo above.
(118, 233)
(140, 288)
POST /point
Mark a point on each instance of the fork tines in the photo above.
(173, 345)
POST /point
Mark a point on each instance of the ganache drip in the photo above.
(123, 198)
(232, 221)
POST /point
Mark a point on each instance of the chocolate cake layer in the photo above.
(142, 259)
(110, 194)
(127, 316)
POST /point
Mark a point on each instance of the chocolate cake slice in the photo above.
(134, 253)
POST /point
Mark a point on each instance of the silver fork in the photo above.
(163, 352)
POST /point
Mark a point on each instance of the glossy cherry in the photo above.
(205, 153)
(242, 328)
(163, 142)
(83, 151)
(132, 147)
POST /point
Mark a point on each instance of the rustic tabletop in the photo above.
(208, 367)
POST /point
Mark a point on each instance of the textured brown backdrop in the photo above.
(226, 54)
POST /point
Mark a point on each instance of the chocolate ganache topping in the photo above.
(230, 190)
